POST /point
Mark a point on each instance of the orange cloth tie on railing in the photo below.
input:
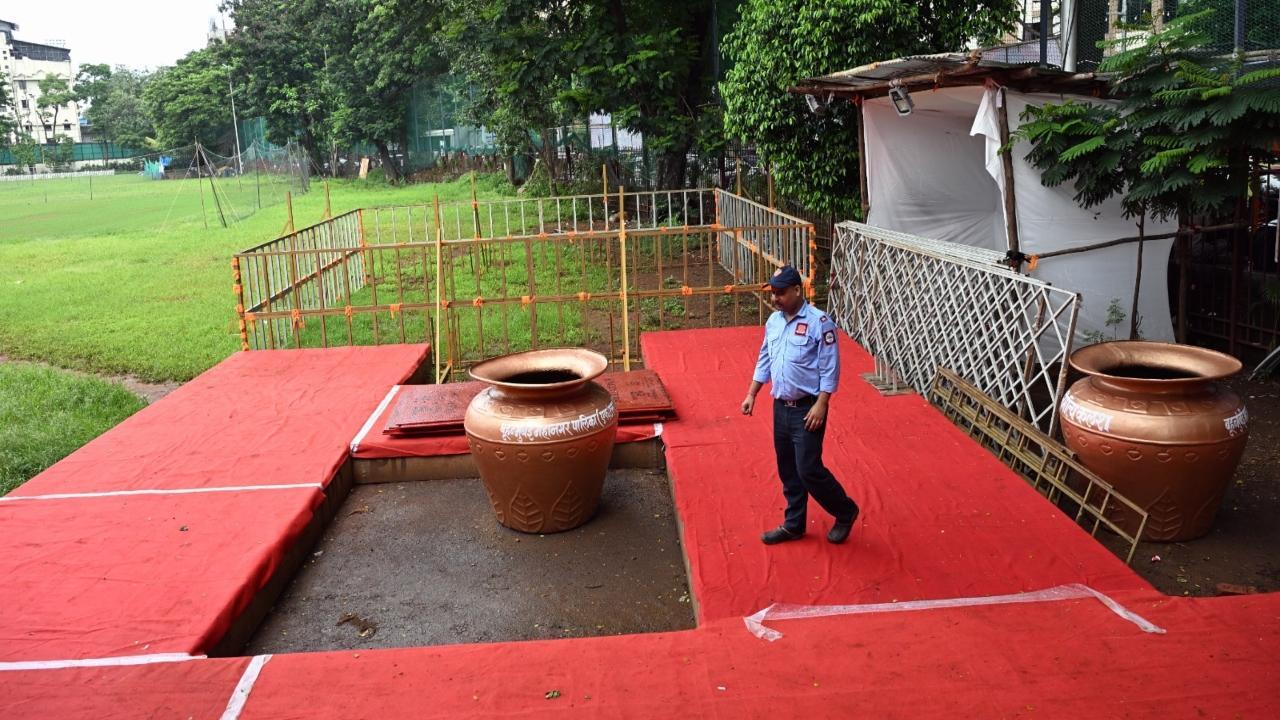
(348, 311)
(1032, 262)
(686, 290)
(250, 318)
(728, 289)
(296, 316)
(584, 296)
(395, 308)
(478, 302)
(525, 300)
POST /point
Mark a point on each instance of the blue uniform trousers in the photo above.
(800, 466)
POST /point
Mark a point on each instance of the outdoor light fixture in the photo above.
(819, 106)
(902, 101)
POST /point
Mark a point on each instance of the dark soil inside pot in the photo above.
(542, 377)
(1149, 372)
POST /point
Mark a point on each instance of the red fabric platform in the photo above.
(371, 443)
(137, 574)
(941, 519)
(256, 418)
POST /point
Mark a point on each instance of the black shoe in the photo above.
(840, 531)
(778, 535)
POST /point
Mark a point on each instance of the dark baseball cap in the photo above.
(783, 278)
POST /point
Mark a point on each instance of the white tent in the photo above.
(937, 173)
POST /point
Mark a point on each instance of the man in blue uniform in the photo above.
(800, 357)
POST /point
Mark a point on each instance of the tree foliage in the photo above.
(116, 109)
(378, 50)
(540, 63)
(1180, 140)
(777, 43)
(279, 60)
(8, 117)
(189, 101)
(55, 94)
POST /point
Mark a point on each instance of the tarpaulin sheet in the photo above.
(371, 443)
(938, 173)
(138, 575)
(261, 417)
(941, 517)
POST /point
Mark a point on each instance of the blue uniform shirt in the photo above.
(799, 355)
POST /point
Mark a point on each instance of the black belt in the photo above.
(799, 402)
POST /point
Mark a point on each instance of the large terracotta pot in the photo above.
(1151, 420)
(542, 434)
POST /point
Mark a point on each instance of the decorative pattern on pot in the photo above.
(542, 435)
(1152, 420)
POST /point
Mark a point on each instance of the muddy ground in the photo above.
(1243, 549)
(425, 563)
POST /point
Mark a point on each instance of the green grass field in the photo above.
(131, 281)
(45, 414)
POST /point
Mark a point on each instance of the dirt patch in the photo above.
(425, 563)
(1243, 549)
(148, 391)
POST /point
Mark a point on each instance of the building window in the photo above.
(24, 105)
(22, 84)
(48, 128)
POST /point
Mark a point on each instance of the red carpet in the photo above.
(102, 577)
(940, 516)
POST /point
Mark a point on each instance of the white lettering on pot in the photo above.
(1237, 423)
(520, 433)
(1083, 416)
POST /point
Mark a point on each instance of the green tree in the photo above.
(26, 153)
(279, 58)
(189, 101)
(540, 63)
(8, 117)
(777, 43)
(116, 109)
(55, 94)
(378, 50)
(1181, 139)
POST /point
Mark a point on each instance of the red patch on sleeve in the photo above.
(802, 328)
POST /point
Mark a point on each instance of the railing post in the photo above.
(435, 351)
(238, 289)
(622, 248)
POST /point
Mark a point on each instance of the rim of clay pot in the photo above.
(585, 364)
(1168, 364)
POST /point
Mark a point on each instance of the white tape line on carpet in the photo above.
(174, 491)
(755, 623)
(121, 661)
(368, 424)
(240, 695)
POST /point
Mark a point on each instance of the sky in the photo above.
(136, 33)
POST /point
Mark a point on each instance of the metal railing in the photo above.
(479, 278)
(918, 304)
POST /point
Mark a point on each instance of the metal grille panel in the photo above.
(918, 304)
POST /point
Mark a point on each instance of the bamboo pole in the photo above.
(328, 205)
(622, 249)
(863, 185)
(203, 210)
(435, 351)
(1006, 163)
(288, 207)
(768, 176)
(239, 290)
